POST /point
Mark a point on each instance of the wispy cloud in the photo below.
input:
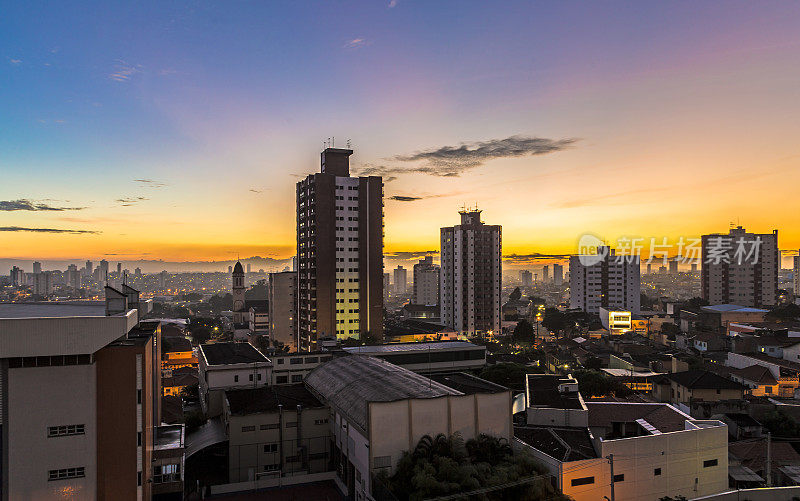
(124, 71)
(535, 256)
(407, 255)
(453, 161)
(15, 62)
(392, 4)
(256, 191)
(128, 201)
(47, 230)
(354, 43)
(401, 198)
(151, 183)
(31, 205)
(422, 196)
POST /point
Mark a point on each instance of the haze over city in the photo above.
(176, 132)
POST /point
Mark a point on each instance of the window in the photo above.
(282, 379)
(318, 455)
(709, 463)
(65, 473)
(248, 428)
(292, 459)
(270, 447)
(236, 379)
(139, 478)
(321, 421)
(619, 477)
(280, 361)
(297, 378)
(382, 461)
(63, 431)
(583, 481)
(138, 438)
(272, 467)
(251, 377)
(139, 397)
(768, 389)
(291, 424)
(296, 361)
(271, 426)
(259, 376)
(657, 472)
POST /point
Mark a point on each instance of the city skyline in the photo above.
(179, 134)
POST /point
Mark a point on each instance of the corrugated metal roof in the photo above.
(348, 384)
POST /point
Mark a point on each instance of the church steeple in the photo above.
(238, 292)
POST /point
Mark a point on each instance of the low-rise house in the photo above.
(785, 372)
(656, 450)
(275, 431)
(753, 455)
(698, 384)
(178, 353)
(380, 410)
(177, 380)
(228, 366)
(741, 426)
(758, 379)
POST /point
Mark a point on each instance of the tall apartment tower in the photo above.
(426, 282)
(400, 280)
(526, 277)
(558, 274)
(103, 271)
(545, 273)
(471, 271)
(37, 267)
(796, 275)
(283, 308)
(740, 268)
(339, 253)
(604, 280)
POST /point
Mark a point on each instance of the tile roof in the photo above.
(757, 374)
(663, 417)
(753, 454)
(702, 379)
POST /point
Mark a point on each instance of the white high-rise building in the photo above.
(604, 280)
(426, 282)
(400, 280)
(471, 272)
(283, 308)
(740, 268)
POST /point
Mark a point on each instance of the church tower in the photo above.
(238, 293)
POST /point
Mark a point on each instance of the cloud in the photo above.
(407, 255)
(124, 71)
(400, 198)
(392, 4)
(256, 191)
(453, 161)
(414, 198)
(31, 205)
(354, 43)
(128, 201)
(151, 183)
(15, 62)
(535, 256)
(46, 230)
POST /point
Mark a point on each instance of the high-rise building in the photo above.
(248, 268)
(230, 270)
(740, 268)
(400, 280)
(73, 277)
(283, 308)
(104, 271)
(673, 266)
(17, 276)
(42, 283)
(796, 274)
(89, 268)
(92, 430)
(162, 279)
(387, 282)
(426, 282)
(137, 272)
(526, 277)
(339, 253)
(558, 274)
(649, 268)
(545, 273)
(604, 280)
(37, 267)
(471, 272)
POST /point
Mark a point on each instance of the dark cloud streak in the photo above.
(30, 205)
(47, 230)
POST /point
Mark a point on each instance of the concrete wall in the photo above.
(39, 397)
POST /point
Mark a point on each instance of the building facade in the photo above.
(426, 282)
(283, 308)
(604, 280)
(339, 253)
(400, 280)
(471, 272)
(740, 268)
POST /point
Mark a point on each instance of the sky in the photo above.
(177, 130)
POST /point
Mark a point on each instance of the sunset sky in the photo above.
(177, 130)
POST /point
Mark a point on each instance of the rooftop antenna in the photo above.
(349, 145)
(333, 143)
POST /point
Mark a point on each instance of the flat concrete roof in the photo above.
(401, 347)
(52, 310)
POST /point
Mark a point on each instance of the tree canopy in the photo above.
(442, 465)
(508, 374)
(524, 332)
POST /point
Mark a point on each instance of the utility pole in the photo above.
(769, 459)
(610, 458)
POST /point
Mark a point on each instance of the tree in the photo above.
(194, 420)
(200, 334)
(441, 465)
(593, 363)
(516, 295)
(784, 312)
(190, 392)
(192, 296)
(697, 302)
(781, 424)
(508, 374)
(595, 384)
(523, 332)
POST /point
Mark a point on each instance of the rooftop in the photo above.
(178, 344)
(729, 308)
(468, 384)
(699, 379)
(232, 353)
(663, 418)
(350, 383)
(543, 391)
(53, 309)
(401, 347)
(267, 399)
(564, 444)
